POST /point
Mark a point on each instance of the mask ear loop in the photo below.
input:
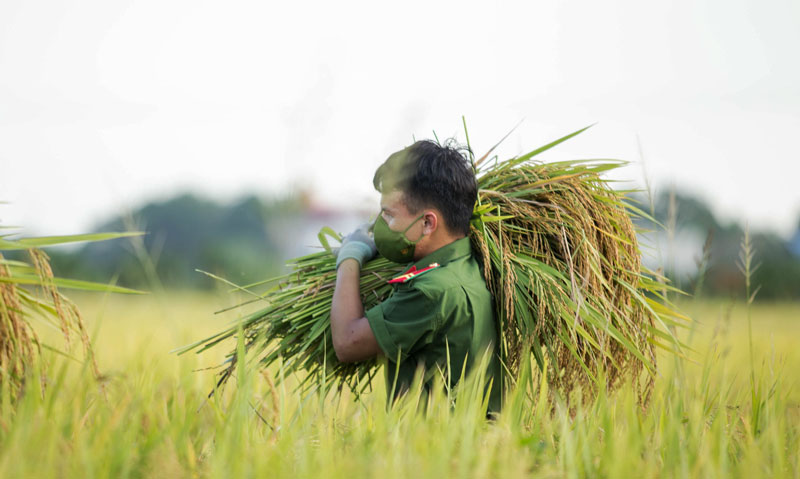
(409, 227)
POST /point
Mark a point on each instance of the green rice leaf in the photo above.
(44, 241)
(31, 279)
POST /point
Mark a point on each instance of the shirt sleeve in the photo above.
(404, 322)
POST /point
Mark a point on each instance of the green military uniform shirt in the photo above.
(445, 307)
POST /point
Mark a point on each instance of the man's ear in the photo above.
(430, 222)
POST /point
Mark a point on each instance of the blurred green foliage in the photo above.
(239, 241)
(249, 240)
(715, 270)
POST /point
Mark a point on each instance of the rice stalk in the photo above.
(20, 305)
(16, 339)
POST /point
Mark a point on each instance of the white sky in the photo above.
(106, 104)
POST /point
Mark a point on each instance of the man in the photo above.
(440, 308)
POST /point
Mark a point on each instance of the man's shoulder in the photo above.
(455, 274)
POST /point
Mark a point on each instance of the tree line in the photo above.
(250, 239)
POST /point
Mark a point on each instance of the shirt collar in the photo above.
(447, 253)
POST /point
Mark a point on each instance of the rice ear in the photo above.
(20, 347)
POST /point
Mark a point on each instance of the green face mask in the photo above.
(393, 245)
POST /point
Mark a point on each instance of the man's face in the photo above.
(397, 216)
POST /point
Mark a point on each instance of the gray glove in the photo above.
(358, 245)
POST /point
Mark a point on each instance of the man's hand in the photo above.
(358, 245)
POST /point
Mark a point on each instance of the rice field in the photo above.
(151, 418)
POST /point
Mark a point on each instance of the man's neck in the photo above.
(434, 244)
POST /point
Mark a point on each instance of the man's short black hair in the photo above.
(432, 175)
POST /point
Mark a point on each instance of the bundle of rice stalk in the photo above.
(560, 257)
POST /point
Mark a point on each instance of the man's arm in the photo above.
(353, 339)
